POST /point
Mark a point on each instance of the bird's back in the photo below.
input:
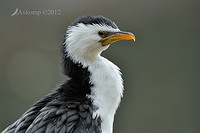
(63, 111)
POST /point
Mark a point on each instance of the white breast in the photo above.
(106, 92)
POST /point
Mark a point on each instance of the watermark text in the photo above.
(47, 12)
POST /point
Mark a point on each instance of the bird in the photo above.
(88, 100)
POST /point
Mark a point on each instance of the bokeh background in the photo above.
(161, 70)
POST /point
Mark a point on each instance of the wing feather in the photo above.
(55, 115)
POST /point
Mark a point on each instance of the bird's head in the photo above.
(88, 36)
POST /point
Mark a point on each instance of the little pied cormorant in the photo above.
(87, 102)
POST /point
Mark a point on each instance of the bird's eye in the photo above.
(101, 33)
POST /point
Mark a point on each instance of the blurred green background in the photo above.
(161, 70)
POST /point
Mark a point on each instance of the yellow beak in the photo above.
(117, 36)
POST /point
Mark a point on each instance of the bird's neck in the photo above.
(107, 90)
(106, 86)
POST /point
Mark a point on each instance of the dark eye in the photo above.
(101, 33)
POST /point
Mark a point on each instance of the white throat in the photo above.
(106, 92)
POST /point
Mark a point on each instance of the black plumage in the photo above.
(66, 110)
(90, 20)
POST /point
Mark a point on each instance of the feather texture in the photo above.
(66, 110)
